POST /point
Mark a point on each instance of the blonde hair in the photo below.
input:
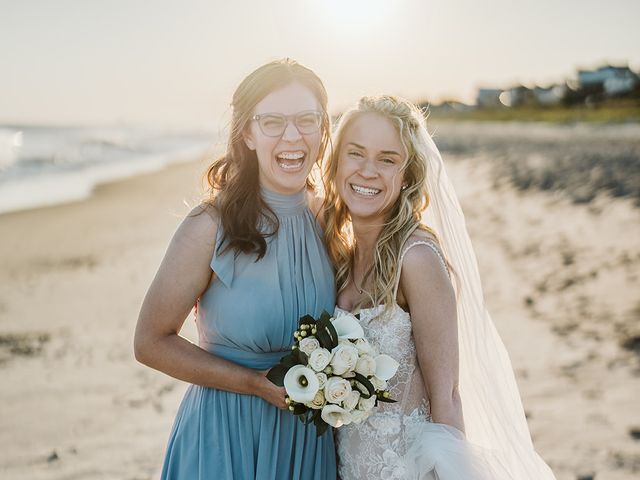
(403, 217)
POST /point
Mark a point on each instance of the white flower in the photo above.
(318, 401)
(336, 389)
(386, 367)
(347, 326)
(358, 416)
(366, 365)
(366, 404)
(351, 401)
(335, 415)
(309, 344)
(344, 358)
(322, 379)
(377, 383)
(363, 346)
(301, 383)
(319, 359)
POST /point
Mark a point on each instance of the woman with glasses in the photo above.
(252, 260)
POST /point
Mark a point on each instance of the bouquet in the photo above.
(333, 376)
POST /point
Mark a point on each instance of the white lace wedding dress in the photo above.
(400, 441)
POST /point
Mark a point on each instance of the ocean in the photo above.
(42, 166)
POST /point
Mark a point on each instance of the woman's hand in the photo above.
(270, 392)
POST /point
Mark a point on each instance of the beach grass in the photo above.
(614, 113)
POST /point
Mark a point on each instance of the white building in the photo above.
(613, 80)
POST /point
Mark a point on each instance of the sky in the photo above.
(177, 63)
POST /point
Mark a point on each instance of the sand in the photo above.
(561, 282)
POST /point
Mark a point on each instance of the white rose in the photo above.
(358, 416)
(366, 365)
(336, 389)
(366, 404)
(322, 379)
(377, 383)
(363, 346)
(318, 401)
(351, 401)
(319, 359)
(335, 416)
(301, 383)
(347, 326)
(344, 358)
(309, 344)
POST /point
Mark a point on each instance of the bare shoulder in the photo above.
(423, 276)
(421, 262)
(423, 235)
(200, 224)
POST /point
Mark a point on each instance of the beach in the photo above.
(560, 279)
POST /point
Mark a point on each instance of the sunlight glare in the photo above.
(356, 13)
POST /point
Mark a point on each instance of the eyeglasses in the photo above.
(274, 124)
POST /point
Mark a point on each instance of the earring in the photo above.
(404, 187)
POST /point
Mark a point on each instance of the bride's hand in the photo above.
(269, 391)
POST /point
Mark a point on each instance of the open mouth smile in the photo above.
(365, 191)
(291, 160)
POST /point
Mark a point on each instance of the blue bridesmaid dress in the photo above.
(248, 316)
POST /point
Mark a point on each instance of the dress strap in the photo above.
(429, 243)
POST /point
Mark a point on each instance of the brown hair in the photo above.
(233, 178)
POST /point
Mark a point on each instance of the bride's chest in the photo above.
(391, 336)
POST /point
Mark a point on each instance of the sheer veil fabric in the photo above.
(496, 427)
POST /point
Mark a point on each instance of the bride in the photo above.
(396, 234)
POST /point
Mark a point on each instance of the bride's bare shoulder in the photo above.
(421, 235)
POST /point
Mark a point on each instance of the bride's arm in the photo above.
(183, 276)
(429, 294)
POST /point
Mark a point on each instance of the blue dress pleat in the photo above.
(248, 316)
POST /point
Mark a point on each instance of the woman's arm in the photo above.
(183, 276)
(429, 293)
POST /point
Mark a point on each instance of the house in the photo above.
(550, 96)
(518, 96)
(609, 79)
(488, 97)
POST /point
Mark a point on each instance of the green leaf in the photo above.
(364, 381)
(277, 373)
(327, 332)
(308, 319)
(300, 409)
(289, 360)
(321, 426)
(324, 339)
(386, 400)
(301, 357)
